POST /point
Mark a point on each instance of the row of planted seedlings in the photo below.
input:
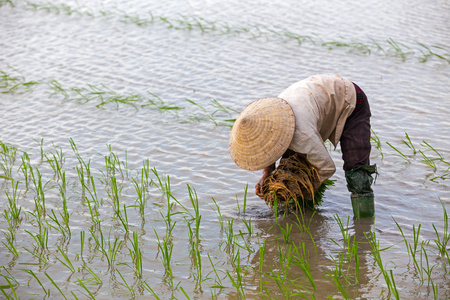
(85, 228)
(422, 153)
(13, 82)
(58, 221)
(388, 47)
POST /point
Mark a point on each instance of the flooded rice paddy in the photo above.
(115, 176)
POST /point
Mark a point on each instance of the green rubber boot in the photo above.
(363, 205)
(359, 181)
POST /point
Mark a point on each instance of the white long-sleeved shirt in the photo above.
(321, 105)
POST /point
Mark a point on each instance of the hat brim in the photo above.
(262, 133)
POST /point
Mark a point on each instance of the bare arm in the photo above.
(266, 173)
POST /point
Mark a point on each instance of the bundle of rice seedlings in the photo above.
(294, 184)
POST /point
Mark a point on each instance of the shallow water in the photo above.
(235, 68)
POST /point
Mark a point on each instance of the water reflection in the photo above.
(323, 257)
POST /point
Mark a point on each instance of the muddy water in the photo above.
(91, 48)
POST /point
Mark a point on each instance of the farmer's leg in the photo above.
(355, 146)
(355, 139)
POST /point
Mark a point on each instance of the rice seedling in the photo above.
(409, 143)
(195, 254)
(80, 282)
(113, 164)
(303, 227)
(335, 280)
(55, 285)
(10, 232)
(301, 261)
(123, 218)
(247, 247)
(413, 251)
(94, 276)
(12, 284)
(435, 288)
(166, 248)
(63, 190)
(39, 255)
(376, 140)
(7, 159)
(356, 260)
(399, 153)
(136, 255)
(427, 269)
(209, 117)
(248, 225)
(388, 276)
(83, 164)
(67, 263)
(262, 251)
(58, 89)
(229, 235)
(194, 237)
(240, 273)
(25, 167)
(114, 193)
(444, 176)
(148, 288)
(283, 275)
(218, 214)
(63, 229)
(56, 163)
(170, 224)
(40, 238)
(217, 280)
(13, 207)
(344, 229)
(156, 102)
(397, 49)
(441, 243)
(10, 245)
(141, 188)
(82, 238)
(129, 288)
(162, 184)
(431, 53)
(93, 206)
(197, 217)
(110, 253)
(430, 162)
(41, 147)
(286, 233)
(338, 264)
(39, 199)
(46, 292)
(298, 38)
(136, 19)
(12, 84)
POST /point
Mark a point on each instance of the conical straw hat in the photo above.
(262, 133)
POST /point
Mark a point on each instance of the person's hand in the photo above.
(258, 187)
(266, 172)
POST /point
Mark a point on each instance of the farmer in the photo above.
(300, 119)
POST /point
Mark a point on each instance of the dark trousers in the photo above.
(355, 139)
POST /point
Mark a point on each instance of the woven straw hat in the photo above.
(262, 133)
